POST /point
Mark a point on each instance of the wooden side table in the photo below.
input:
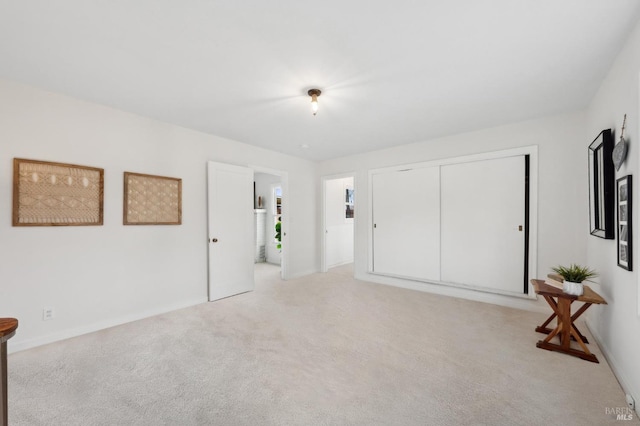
(565, 329)
(8, 328)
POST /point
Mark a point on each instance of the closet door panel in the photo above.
(483, 218)
(406, 217)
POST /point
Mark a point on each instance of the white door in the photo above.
(231, 250)
(338, 226)
(406, 221)
(482, 221)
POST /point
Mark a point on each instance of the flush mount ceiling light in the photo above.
(314, 93)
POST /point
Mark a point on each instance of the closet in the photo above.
(463, 222)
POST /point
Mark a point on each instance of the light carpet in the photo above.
(320, 350)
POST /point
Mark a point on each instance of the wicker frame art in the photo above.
(152, 200)
(56, 194)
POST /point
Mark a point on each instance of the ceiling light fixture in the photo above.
(314, 93)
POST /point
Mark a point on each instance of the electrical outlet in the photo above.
(48, 314)
(630, 402)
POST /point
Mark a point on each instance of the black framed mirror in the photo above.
(602, 186)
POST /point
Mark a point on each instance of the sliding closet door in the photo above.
(406, 217)
(483, 220)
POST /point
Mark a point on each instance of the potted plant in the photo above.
(573, 276)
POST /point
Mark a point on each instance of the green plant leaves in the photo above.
(574, 273)
(278, 236)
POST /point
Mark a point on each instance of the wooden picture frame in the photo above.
(56, 194)
(624, 196)
(601, 186)
(152, 200)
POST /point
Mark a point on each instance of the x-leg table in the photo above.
(560, 303)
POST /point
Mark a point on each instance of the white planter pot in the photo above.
(574, 289)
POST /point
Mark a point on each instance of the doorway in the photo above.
(231, 202)
(339, 197)
(270, 190)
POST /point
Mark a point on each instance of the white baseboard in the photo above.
(302, 274)
(17, 345)
(613, 364)
(517, 302)
(347, 262)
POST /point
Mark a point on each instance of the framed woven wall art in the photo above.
(56, 194)
(152, 200)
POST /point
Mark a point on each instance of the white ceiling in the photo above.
(391, 73)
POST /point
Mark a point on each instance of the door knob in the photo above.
(214, 240)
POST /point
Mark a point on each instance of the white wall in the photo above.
(617, 325)
(339, 230)
(98, 276)
(562, 191)
(264, 189)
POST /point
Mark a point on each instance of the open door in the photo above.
(230, 217)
